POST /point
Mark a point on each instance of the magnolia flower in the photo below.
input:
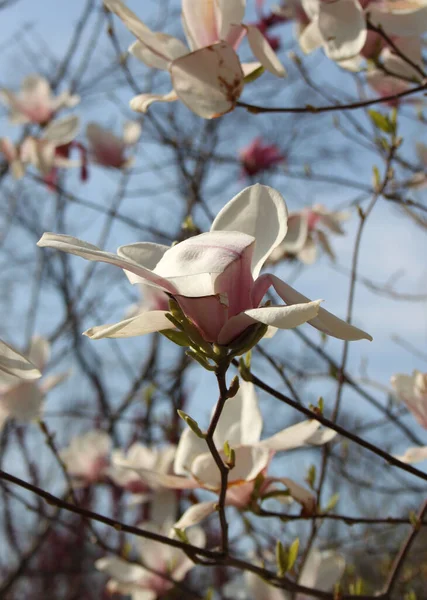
(44, 153)
(109, 150)
(146, 582)
(208, 78)
(305, 233)
(340, 27)
(87, 457)
(259, 157)
(412, 389)
(321, 571)
(240, 424)
(35, 102)
(151, 299)
(214, 276)
(20, 397)
(15, 367)
(123, 472)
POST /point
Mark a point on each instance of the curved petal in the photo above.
(39, 351)
(308, 252)
(208, 81)
(142, 102)
(320, 437)
(259, 588)
(310, 39)
(240, 421)
(413, 455)
(342, 25)
(146, 322)
(62, 131)
(259, 211)
(229, 12)
(131, 132)
(322, 570)
(72, 245)
(208, 313)
(195, 514)
(408, 19)
(250, 461)
(295, 238)
(155, 480)
(189, 447)
(291, 437)
(264, 52)
(325, 321)
(299, 493)
(14, 364)
(152, 59)
(200, 23)
(146, 254)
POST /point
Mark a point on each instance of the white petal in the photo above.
(156, 480)
(195, 514)
(298, 492)
(259, 588)
(325, 321)
(408, 18)
(291, 437)
(23, 402)
(343, 27)
(259, 211)
(72, 245)
(264, 52)
(142, 102)
(14, 364)
(414, 455)
(311, 39)
(39, 352)
(308, 252)
(146, 322)
(311, 8)
(320, 437)
(296, 236)
(131, 132)
(189, 447)
(322, 570)
(240, 421)
(62, 131)
(145, 254)
(172, 48)
(208, 81)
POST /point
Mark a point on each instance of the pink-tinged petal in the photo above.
(208, 313)
(195, 514)
(322, 570)
(142, 102)
(263, 52)
(240, 421)
(62, 131)
(146, 254)
(229, 12)
(310, 39)
(189, 446)
(23, 402)
(171, 48)
(131, 132)
(236, 283)
(259, 211)
(292, 437)
(385, 85)
(154, 479)
(208, 81)
(342, 25)
(406, 18)
(282, 317)
(72, 245)
(325, 321)
(250, 462)
(8, 148)
(200, 23)
(40, 153)
(299, 493)
(144, 323)
(414, 455)
(192, 265)
(163, 46)
(14, 366)
(295, 238)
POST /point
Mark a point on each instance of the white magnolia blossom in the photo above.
(35, 103)
(87, 457)
(321, 571)
(240, 424)
(207, 76)
(109, 150)
(123, 471)
(22, 398)
(146, 582)
(306, 231)
(340, 27)
(15, 367)
(214, 276)
(412, 390)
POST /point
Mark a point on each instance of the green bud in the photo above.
(192, 424)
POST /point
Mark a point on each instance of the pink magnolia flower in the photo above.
(87, 457)
(259, 157)
(208, 76)
(322, 570)
(306, 232)
(146, 582)
(240, 425)
(15, 367)
(214, 276)
(340, 27)
(22, 398)
(35, 102)
(412, 390)
(109, 150)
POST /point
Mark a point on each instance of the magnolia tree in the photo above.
(192, 424)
